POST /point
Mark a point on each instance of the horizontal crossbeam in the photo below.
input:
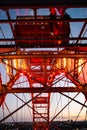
(41, 3)
(42, 89)
(39, 39)
(43, 20)
(25, 56)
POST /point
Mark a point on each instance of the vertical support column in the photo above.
(76, 68)
(40, 103)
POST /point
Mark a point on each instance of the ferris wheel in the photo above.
(43, 75)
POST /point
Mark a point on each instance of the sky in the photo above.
(57, 100)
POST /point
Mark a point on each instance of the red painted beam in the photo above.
(42, 89)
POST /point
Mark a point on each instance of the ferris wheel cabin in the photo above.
(35, 31)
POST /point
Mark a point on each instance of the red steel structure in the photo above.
(42, 66)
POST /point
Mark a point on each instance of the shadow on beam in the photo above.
(41, 90)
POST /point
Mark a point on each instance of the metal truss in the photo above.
(41, 67)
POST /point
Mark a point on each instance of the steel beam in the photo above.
(28, 45)
(25, 56)
(9, 18)
(39, 39)
(42, 20)
(81, 32)
(42, 89)
(6, 4)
